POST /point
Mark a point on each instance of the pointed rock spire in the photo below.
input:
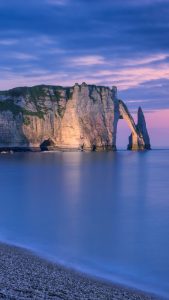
(142, 129)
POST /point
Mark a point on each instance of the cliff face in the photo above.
(80, 117)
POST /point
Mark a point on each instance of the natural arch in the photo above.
(125, 114)
(139, 138)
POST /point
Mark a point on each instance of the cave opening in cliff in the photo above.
(47, 145)
(123, 133)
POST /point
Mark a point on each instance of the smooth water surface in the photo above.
(103, 213)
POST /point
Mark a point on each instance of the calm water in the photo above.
(104, 213)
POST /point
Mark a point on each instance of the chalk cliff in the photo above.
(53, 117)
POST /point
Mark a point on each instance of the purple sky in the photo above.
(111, 42)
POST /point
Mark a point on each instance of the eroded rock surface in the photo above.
(81, 117)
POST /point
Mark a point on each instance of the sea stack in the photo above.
(142, 141)
(81, 117)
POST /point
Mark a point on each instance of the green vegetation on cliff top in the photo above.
(9, 105)
(36, 92)
(33, 94)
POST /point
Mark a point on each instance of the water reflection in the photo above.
(106, 213)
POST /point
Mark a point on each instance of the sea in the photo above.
(105, 214)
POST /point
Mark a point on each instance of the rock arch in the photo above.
(139, 138)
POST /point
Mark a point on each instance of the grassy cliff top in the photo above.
(35, 95)
(34, 91)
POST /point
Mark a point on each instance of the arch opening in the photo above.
(122, 136)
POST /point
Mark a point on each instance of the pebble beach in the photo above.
(24, 275)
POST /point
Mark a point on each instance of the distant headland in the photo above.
(82, 117)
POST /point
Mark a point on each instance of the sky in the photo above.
(111, 42)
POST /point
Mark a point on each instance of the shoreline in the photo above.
(107, 148)
(25, 275)
(12, 150)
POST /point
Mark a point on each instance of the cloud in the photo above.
(154, 94)
(135, 76)
(101, 43)
(127, 76)
(20, 56)
(137, 101)
(145, 2)
(8, 42)
(23, 56)
(88, 60)
(57, 2)
(146, 59)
